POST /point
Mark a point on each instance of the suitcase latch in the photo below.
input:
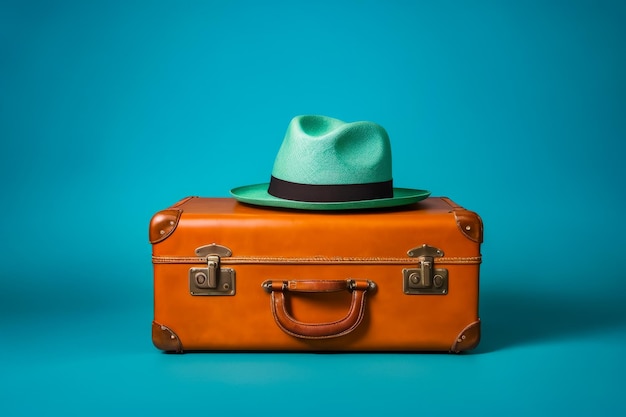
(212, 280)
(426, 279)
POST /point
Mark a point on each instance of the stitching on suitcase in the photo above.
(314, 260)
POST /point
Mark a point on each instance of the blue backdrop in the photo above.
(113, 110)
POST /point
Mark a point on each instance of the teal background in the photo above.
(111, 111)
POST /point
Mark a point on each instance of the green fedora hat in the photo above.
(327, 164)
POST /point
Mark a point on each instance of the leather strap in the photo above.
(317, 286)
(293, 327)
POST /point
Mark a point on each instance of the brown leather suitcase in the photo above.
(230, 276)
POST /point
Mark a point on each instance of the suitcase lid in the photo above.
(251, 231)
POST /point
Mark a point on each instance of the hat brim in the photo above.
(257, 194)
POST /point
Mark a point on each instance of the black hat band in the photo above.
(330, 193)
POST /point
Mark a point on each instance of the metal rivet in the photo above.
(171, 222)
(200, 278)
(415, 279)
(468, 227)
(162, 232)
(459, 340)
(438, 281)
(172, 337)
(226, 286)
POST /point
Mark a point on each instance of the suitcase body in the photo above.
(230, 276)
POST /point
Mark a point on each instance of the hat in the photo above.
(327, 164)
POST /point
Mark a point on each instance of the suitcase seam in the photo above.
(313, 260)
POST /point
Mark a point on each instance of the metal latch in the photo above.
(426, 279)
(212, 280)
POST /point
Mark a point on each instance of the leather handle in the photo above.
(326, 330)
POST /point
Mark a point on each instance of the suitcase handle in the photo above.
(293, 327)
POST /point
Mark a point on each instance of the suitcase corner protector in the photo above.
(470, 224)
(468, 338)
(165, 339)
(163, 224)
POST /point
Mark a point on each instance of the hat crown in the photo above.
(321, 150)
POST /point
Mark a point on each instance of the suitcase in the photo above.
(234, 277)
